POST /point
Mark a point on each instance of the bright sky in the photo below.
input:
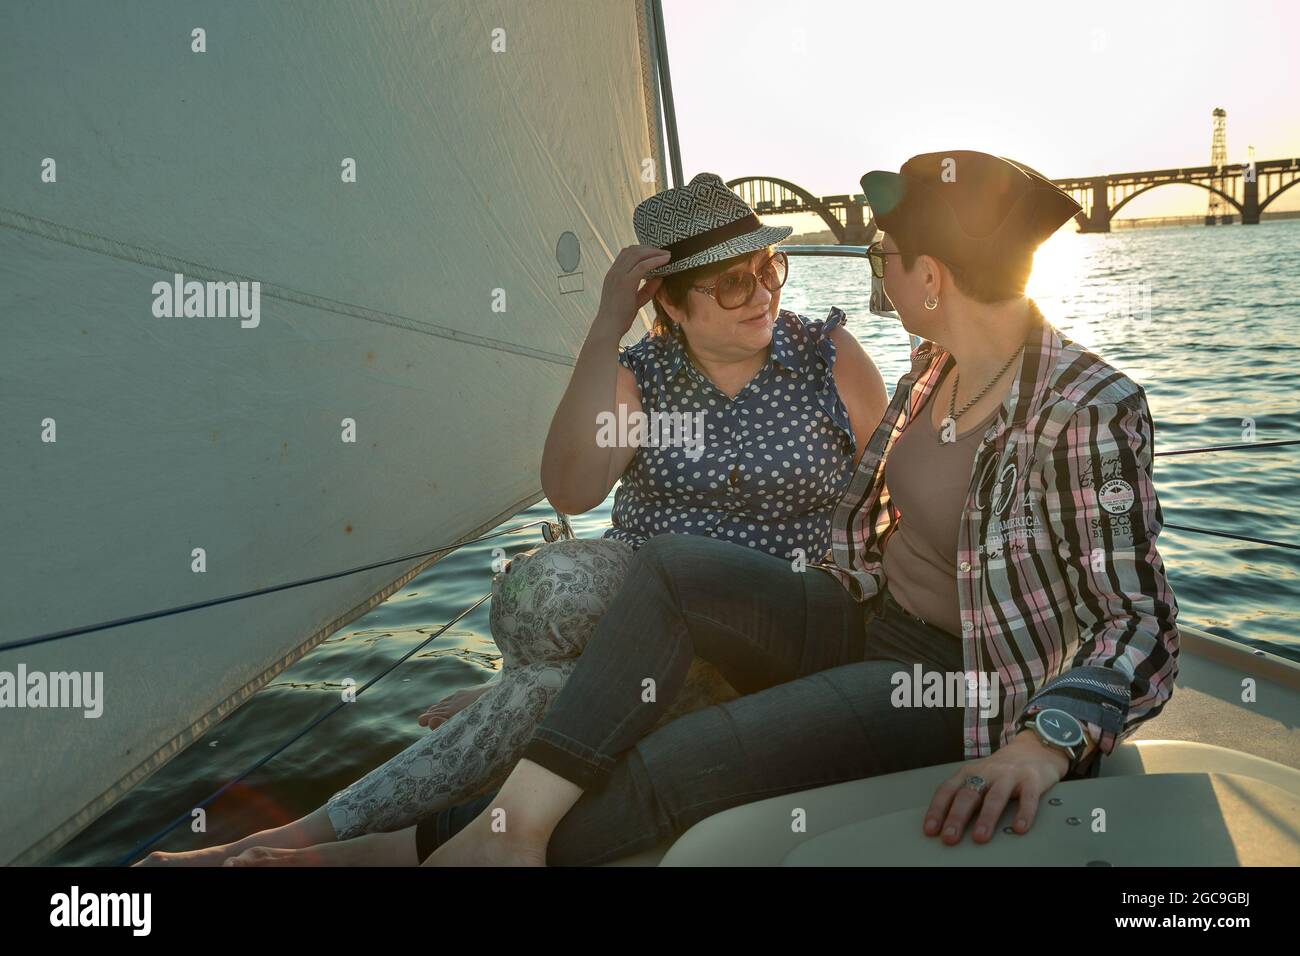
(820, 91)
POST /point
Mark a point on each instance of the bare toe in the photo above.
(262, 856)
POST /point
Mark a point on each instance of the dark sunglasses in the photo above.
(876, 256)
(734, 289)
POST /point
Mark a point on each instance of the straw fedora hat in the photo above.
(701, 222)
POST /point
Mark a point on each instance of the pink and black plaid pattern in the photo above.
(1061, 589)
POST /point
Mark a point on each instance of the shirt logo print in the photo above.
(1116, 496)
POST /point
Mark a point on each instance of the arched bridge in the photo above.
(1241, 185)
(842, 214)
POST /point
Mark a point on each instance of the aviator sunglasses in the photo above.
(734, 289)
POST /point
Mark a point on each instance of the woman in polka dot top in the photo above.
(772, 458)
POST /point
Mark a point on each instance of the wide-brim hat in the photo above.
(968, 207)
(701, 222)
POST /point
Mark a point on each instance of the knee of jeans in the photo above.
(691, 567)
(667, 554)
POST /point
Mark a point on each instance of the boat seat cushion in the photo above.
(761, 833)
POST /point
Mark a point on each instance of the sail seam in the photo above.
(103, 245)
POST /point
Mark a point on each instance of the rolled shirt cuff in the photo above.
(1095, 696)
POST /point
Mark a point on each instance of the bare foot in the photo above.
(441, 712)
(373, 849)
(208, 856)
(480, 845)
(310, 830)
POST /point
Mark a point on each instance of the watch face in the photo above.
(1058, 727)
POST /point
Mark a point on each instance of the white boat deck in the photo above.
(1212, 781)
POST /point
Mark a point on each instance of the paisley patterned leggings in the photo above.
(545, 606)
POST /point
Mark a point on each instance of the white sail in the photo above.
(435, 302)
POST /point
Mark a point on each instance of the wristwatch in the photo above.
(1060, 731)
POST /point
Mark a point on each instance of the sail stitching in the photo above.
(93, 242)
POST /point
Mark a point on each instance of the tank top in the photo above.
(928, 481)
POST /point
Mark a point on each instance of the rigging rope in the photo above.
(166, 612)
(1238, 537)
(188, 815)
(1243, 446)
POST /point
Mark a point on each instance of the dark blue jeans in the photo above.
(816, 668)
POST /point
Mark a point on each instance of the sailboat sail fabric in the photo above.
(286, 288)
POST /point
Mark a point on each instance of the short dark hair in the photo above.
(677, 286)
(996, 280)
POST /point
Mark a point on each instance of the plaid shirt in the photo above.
(1061, 591)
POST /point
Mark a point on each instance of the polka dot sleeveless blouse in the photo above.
(773, 462)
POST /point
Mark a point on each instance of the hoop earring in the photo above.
(931, 303)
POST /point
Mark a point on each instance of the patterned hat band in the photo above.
(684, 248)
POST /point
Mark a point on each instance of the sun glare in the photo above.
(1059, 280)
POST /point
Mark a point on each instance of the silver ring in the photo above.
(977, 784)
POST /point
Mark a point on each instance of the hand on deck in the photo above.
(1024, 769)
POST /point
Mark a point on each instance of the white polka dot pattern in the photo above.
(776, 458)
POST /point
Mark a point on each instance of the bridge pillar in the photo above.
(855, 228)
(1099, 220)
(1250, 197)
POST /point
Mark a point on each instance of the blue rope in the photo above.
(154, 615)
(141, 847)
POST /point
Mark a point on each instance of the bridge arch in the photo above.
(1264, 204)
(811, 201)
(1174, 182)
